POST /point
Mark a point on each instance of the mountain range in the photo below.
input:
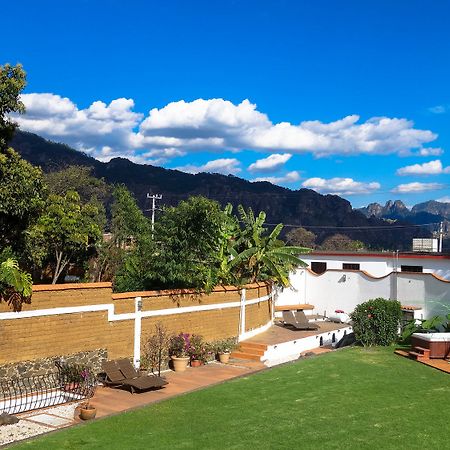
(422, 213)
(303, 207)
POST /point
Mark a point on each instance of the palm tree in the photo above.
(15, 285)
(258, 256)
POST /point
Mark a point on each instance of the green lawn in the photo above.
(354, 398)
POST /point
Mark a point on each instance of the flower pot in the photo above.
(180, 363)
(71, 387)
(196, 363)
(224, 357)
(87, 412)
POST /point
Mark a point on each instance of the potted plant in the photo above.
(224, 349)
(157, 349)
(179, 351)
(198, 350)
(71, 375)
(88, 411)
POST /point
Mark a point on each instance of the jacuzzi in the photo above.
(437, 343)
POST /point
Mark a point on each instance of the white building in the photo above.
(342, 280)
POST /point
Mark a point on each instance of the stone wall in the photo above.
(44, 366)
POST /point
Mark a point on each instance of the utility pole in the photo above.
(441, 233)
(154, 197)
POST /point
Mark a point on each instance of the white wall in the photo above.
(382, 265)
(337, 289)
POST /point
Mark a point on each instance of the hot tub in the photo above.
(437, 343)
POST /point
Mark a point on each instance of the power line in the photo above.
(375, 227)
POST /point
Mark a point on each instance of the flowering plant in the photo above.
(225, 345)
(199, 349)
(180, 345)
(74, 373)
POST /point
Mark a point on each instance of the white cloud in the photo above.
(340, 186)
(92, 129)
(430, 151)
(430, 168)
(289, 177)
(439, 109)
(223, 165)
(416, 187)
(210, 125)
(445, 199)
(271, 163)
(242, 126)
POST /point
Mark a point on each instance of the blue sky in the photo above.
(345, 97)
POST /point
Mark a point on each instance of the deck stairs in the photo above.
(250, 351)
(419, 354)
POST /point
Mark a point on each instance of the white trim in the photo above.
(256, 331)
(112, 317)
(58, 311)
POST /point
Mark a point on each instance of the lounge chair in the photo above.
(121, 373)
(298, 320)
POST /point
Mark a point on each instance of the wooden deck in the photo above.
(111, 401)
(440, 364)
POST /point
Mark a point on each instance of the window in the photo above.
(412, 269)
(347, 266)
(318, 267)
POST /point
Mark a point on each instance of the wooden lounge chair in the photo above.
(298, 320)
(121, 373)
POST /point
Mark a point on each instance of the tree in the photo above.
(128, 223)
(12, 83)
(22, 188)
(184, 252)
(258, 255)
(64, 232)
(341, 242)
(129, 228)
(22, 196)
(15, 285)
(301, 237)
(80, 179)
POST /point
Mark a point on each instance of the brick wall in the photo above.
(33, 338)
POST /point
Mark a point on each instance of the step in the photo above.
(242, 355)
(417, 356)
(251, 351)
(424, 351)
(253, 345)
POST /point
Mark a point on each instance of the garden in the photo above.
(352, 398)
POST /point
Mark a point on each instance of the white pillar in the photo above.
(242, 324)
(137, 331)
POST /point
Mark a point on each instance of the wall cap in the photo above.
(166, 292)
(63, 287)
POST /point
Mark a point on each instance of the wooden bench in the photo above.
(299, 307)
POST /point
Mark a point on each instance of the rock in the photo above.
(7, 419)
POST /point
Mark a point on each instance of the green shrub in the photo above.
(377, 321)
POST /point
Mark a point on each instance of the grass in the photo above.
(355, 398)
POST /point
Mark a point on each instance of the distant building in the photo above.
(341, 280)
(379, 264)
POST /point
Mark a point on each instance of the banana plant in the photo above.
(258, 256)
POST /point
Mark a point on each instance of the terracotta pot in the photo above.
(88, 412)
(196, 363)
(224, 357)
(180, 364)
(72, 386)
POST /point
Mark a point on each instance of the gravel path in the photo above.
(27, 428)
